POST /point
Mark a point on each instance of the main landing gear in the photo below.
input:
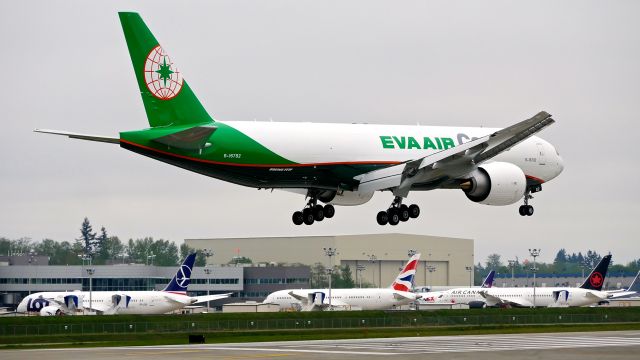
(526, 209)
(398, 212)
(313, 212)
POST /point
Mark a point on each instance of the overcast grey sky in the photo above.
(468, 63)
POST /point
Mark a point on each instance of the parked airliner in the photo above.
(172, 297)
(462, 295)
(330, 163)
(399, 293)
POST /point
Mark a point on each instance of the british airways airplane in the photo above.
(399, 293)
(172, 297)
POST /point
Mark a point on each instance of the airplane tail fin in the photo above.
(182, 279)
(488, 281)
(404, 281)
(635, 284)
(167, 98)
(595, 280)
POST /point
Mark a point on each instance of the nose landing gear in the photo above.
(397, 212)
(313, 212)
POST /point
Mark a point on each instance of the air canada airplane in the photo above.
(589, 293)
(399, 293)
(329, 163)
(463, 295)
(172, 297)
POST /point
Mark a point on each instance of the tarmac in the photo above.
(551, 346)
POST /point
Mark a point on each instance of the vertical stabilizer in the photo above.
(168, 99)
(182, 279)
(595, 280)
(488, 281)
(404, 281)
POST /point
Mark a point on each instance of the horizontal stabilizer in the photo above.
(73, 135)
(194, 138)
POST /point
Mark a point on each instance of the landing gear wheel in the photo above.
(403, 212)
(307, 216)
(521, 210)
(329, 211)
(414, 211)
(394, 217)
(528, 210)
(297, 218)
(382, 218)
(318, 213)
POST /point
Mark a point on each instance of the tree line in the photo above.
(563, 263)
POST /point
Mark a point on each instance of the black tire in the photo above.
(307, 216)
(521, 210)
(403, 212)
(382, 218)
(318, 213)
(529, 210)
(329, 211)
(297, 218)
(414, 211)
(394, 217)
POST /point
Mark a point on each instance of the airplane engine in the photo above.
(51, 311)
(496, 183)
(477, 304)
(344, 198)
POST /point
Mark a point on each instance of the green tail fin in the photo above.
(167, 98)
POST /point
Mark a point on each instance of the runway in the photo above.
(591, 345)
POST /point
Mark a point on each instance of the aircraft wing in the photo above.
(205, 298)
(497, 300)
(303, 298)
(402, 295)
(72, 135)
(453, 162)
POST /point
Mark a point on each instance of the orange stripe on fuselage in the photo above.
(260, 165)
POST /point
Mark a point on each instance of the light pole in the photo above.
(330, 252)
(512, 266)
(431, 269)
(470, 270)
(91, 271)
(372, 260)
(151, 256)
(207, 253)
(534, 253)
(32, 255)
(359, 269)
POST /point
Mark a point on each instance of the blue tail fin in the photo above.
(182, 279)
(595, 280)
(488, 281)
(635, 284)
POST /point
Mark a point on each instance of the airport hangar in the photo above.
(382, 255)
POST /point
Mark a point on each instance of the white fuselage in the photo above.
(361, 299)
(361, 143)
(546, 296)
(141, 302)
(452, 296)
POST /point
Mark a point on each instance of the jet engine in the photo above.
(496, 183)
(344, 198)
(51, 311)
(477, 304)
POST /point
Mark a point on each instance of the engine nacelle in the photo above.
(477, 304)
(51, 311)
(496, 183)
(345, 198)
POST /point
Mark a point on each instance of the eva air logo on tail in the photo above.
(163, 79)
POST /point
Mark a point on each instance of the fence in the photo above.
(185, 326)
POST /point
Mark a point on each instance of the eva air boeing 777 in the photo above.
(334, 164)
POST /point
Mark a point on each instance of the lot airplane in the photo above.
(589, 293)
(334, 164)
(399, 293)
(172, 297)
(463, 295)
